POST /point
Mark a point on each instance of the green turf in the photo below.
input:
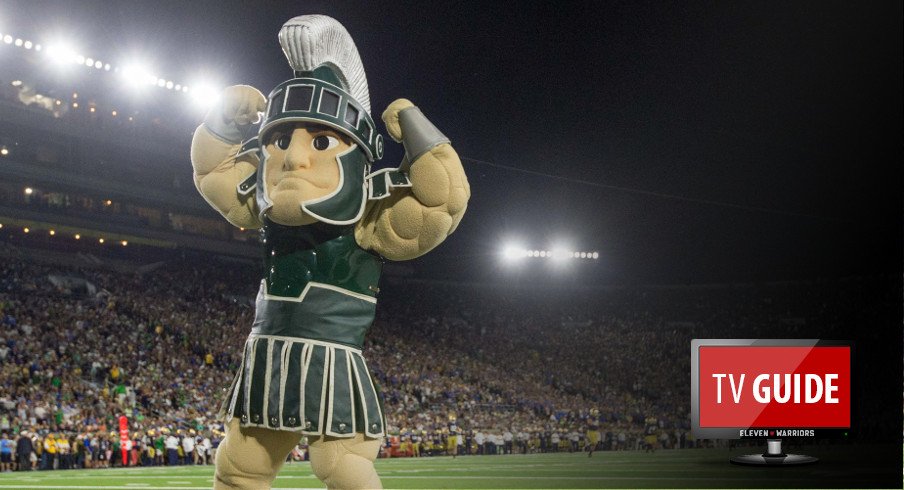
(705, 468)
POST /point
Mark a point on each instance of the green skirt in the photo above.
(307, 386)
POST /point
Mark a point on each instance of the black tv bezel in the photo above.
(699, 432)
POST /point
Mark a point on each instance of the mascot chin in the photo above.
(296, 165)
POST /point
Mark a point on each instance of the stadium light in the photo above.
(513, 252)
(61, 53)
(137, 75)
(204, 94)
(558, 254)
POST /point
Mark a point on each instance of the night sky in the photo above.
(685, 141)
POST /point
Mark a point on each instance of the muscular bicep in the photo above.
(412, 221)
(217, 173)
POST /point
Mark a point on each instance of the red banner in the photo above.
(125, 444)
(775, 387)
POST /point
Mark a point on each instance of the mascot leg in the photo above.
(249, 458)
(346, 463)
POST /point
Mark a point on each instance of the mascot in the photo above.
(296, 165)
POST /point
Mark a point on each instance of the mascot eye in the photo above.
(324, 142)
(283, 141)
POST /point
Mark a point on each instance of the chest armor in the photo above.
(318, 284)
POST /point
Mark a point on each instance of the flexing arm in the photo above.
(214, 148)
(412, 221)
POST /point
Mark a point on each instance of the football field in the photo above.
(703, 468)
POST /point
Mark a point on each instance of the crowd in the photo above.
(463, 370)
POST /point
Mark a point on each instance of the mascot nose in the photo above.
(297, 155)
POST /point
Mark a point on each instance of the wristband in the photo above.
(419, 135)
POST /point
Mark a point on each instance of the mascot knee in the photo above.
(243, 463)
(235, 471)
(324, 460)
(348, 472)
(346, 464)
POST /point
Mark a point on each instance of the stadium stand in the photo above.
(82, 345)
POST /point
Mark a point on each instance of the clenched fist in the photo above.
(239, 106)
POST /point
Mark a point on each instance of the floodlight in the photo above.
(28, 45)
(596, 255)
(137, 75)
(60, 53)
(204, 95)
(19, 42)
(8, 39)
(560, 252)
(513, 252)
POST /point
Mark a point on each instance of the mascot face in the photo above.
(301, 163)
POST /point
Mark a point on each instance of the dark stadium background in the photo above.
(687, 142)
(763, 137)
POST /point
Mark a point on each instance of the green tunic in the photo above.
(302, 368)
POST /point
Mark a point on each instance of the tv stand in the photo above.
(774, 456)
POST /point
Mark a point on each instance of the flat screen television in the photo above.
(770, 389)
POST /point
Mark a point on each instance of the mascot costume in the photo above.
(296, 165)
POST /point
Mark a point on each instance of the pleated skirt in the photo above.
(307, 386)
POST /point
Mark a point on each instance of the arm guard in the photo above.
(419, 135)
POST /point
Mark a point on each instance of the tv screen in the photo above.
(770, 389)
